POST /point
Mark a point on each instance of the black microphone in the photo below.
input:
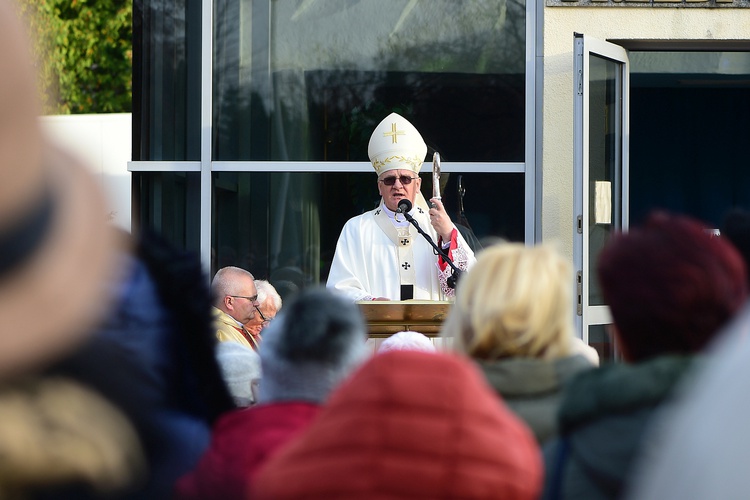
(404, 206)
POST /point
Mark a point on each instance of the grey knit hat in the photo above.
(317, 339)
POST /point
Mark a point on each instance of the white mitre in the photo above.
(395, 143)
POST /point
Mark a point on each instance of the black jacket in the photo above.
(602, 420)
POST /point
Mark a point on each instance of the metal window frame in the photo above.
(584, 47)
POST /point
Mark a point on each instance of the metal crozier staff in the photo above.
(436, 176)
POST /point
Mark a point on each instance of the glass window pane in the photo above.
(605, 160)
(314, 82)
(166, 80)
(604, 343)
(284, 226)
(705, 177)
(169, 204)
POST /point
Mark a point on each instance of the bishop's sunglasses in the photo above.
(391, 180)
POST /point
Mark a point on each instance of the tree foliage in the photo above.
(84, 48)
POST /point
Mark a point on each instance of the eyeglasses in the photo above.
(391, 180)
(263, 316)
(254, 298)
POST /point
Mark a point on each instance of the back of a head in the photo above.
(407, 341)
(314, 342)
(57, 254)
(515, 301)
(240, 367)
(417, 425)
(20, 135)
(670, 285)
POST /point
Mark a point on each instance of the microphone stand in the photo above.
(453, 279)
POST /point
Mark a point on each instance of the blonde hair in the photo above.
(516, 301)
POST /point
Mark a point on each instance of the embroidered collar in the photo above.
(397, 219)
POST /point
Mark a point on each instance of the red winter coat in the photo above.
(409, 425)
(240, 443)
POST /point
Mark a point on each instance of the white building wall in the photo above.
(103, 142)
(560, 22)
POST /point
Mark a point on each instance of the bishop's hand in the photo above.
(440, 219)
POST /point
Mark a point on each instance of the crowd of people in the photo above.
(509, 406)
(126, 375)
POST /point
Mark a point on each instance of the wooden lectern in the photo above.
(384, 318)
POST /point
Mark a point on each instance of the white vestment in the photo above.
(376, 254)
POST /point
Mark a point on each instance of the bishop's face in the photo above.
(398, 190)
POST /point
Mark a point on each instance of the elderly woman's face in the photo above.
(257, 324)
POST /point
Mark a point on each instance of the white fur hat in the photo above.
(407, 341)
(240, 367)
(396, 144)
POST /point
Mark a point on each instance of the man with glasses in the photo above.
(270, 303)
(380, 255)
(235, 302)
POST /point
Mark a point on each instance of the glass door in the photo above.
(601, 175)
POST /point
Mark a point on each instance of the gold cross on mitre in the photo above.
(394, 133)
